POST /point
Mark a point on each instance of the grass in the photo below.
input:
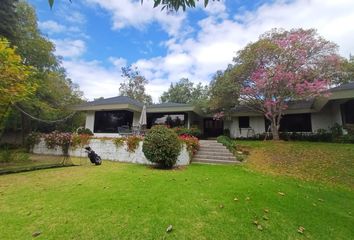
(329, 163)
(127, 201)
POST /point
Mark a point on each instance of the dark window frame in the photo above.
(300, 122)
(244, 122)
(109, 121)
(347, 111)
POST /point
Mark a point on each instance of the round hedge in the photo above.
(162, 146)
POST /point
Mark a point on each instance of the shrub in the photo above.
(85, 131)
(119, 141)
(58, 139)
(80, 140)
(32, 139)
(162, 146)
(191, 142)
(133, 143)
(227, 142)
(195, 132)
(10, 155)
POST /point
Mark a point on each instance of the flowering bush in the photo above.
(191, 142)
(58, 139)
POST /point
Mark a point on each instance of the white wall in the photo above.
(90, 120)
(327, 117)
(256, 123)
(107, 150)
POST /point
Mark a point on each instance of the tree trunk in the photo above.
(275, 131)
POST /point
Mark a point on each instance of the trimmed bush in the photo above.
(162, 146)
(85, 131)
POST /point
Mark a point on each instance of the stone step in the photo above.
(215, 153)
(202, 156)
(213, 149)
(210, 161)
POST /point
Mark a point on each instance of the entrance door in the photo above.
(213, 128)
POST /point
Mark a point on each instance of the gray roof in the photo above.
(292, 105)
(164, 105)
(346, 86)
(113, 100)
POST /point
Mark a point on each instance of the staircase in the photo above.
(212, 152)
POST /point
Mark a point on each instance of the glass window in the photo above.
(243, 122)
(348, 112)
(169, 119)
(293, 123)
(109, 121)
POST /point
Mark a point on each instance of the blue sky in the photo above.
(97, 37)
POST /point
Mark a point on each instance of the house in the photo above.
(105, 116)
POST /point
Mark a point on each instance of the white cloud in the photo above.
(118, 62)
(69, 48)
(131, 13)
(51, 27)
(94, 80)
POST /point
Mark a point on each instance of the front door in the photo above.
(213, 128)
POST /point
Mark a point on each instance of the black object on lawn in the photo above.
(94, 158)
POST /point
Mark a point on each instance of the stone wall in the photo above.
(109, 151)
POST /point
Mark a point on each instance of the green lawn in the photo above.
(127, 201)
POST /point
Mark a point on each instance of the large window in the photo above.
(347, 110)
(109, 121)
(170, 119)
(243, 122)
(293, 123)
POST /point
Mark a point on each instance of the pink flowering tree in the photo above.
(283, 66)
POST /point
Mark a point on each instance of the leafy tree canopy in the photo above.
(283, 66)
(185, 91)
(15, 81)
(134, 85)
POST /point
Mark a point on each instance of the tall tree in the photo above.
(286, 66)
(184, 91)
(8, 16)
(55, 92)
(134, 85)
(15, 81)
(225, 89)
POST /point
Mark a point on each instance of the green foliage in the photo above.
(227, 142)
(8, 16)
(119, 142)
(54, 91)
(225, 88)
(16, 84)
(86, 131)
(184, 91)
(134, 85)
(133, 143)
(161, 146)
(10, 156)
(32, 139)
(193, 131)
